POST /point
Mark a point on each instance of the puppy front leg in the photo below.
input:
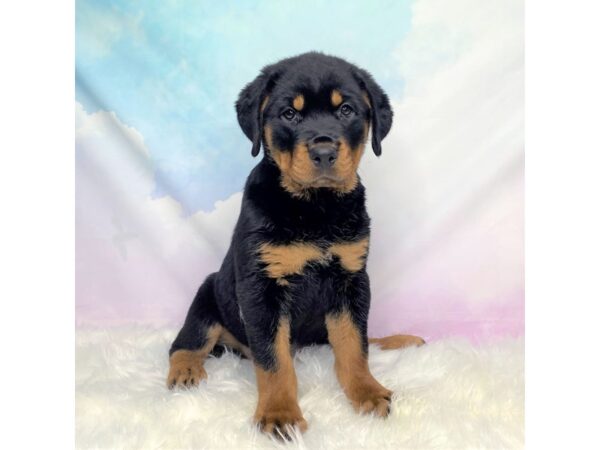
(264, 300)
(352, 367)
(347, 333)
(268, 331)
(277, 385)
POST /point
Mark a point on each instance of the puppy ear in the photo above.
(249, 106)
(381, 110)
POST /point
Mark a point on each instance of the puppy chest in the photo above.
(281, 261)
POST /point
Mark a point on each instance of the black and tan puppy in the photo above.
(295, 273)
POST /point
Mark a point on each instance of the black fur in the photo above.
(240, 296)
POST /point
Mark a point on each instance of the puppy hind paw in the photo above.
(186, 370)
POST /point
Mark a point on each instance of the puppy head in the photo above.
(312, 113)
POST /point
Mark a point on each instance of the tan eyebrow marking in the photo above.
(336, 98)
(299, 102)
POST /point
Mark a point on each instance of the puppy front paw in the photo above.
(280, 420)
(370, 398)
(186, 369)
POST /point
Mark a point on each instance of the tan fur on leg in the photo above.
(397, 341)
(352, 368)
(277, 406)
(230, 340)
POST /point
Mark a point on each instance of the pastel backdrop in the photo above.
(160, 160)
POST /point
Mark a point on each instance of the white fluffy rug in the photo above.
(448, 395)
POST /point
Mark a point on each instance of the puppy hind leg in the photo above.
(196, 339)
(228, 342)
(397, 341)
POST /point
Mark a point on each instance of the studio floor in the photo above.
(448, 394)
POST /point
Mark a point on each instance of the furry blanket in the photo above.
(448, 394)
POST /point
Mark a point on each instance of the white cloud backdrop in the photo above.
(446, 196)
(138, 257)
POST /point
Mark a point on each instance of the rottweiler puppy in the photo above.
(295, 273)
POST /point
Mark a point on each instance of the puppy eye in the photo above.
(346, 109)
(289, 114)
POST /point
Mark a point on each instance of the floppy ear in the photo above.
(381, 111)
(249, 106)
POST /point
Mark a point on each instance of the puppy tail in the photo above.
(397, 341)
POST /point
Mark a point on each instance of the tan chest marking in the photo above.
(284, 260)
(352, 254)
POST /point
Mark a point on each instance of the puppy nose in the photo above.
(323, 157)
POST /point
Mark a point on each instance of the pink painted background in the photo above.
(446, 197)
